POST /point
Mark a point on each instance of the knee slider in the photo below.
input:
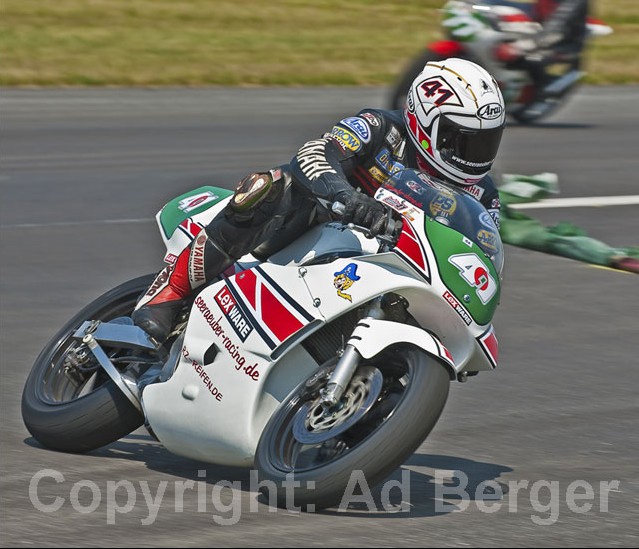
(255, 189)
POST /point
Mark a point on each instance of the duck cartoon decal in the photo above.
(344, 279)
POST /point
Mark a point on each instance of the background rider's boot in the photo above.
(198, 264)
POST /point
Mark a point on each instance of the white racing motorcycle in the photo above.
(334, 355)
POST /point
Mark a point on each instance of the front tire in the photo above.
(398, 398)
(78, 409)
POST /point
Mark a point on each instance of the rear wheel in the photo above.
(69, 403)
(390, 406)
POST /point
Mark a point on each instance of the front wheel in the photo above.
(389, 408)
(69, 403)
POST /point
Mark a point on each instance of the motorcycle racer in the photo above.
(451, 128)
(561, 38)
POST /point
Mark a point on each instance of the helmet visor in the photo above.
(470, 151)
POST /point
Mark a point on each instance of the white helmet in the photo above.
(455, 115)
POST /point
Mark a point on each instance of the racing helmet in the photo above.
(455, 115)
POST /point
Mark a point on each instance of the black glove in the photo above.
(361, 209)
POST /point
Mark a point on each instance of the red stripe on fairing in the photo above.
(246, 281)
(191, 227)
(409, 245)
(491, 346)
(444, 352)
(277, 317)
(448, 355)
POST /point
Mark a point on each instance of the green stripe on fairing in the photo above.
(171, 215)
(449, 243)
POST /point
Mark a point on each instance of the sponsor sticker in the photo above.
(240, 363)
(452, 301)
(474, 190)
(495, 215)
(486, 220)
(393, 138)
(384, 160)
(359, 126)
(347, 139)
(197, 275)
(474, 272)
(377, 174)
(486, 88)
(400, 206)
(490, 111)
(488, 239)
(170, 258)
(370, 118)
(233, 313)
(344, 279)
(413, 186)
(204, 377)
(161, 280)
(444, 204)
(192, 202)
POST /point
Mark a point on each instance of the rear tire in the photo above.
(83, 411)
(401, 416)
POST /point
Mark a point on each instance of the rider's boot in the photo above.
(198, 264)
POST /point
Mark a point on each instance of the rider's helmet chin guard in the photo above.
(455, 115)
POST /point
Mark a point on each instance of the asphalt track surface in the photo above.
(84, 172)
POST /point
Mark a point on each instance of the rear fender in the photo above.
(372, 336)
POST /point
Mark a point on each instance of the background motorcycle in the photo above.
(481, 32)
(334, 355)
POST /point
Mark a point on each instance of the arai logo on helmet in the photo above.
(490, 111)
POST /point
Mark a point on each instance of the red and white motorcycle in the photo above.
(334, 355)
(482, 32)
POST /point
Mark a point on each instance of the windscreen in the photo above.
(450, 206)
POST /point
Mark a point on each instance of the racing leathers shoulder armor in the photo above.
(361, 152)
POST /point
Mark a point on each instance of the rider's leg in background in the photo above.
(565, 30)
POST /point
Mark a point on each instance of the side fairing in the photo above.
(226, 384)
(469, 276)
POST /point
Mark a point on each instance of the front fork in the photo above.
(348, 363)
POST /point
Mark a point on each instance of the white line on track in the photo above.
(75, 223)
(586, 201)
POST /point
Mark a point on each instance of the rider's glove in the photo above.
(361, 209)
